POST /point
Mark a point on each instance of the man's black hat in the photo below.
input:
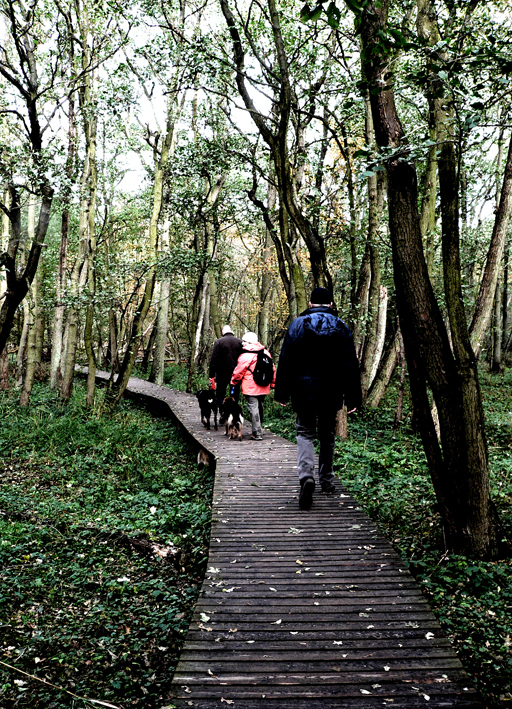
(321, 296)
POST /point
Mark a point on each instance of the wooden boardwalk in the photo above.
(302, 609)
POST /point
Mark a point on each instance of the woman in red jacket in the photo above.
(254, 393)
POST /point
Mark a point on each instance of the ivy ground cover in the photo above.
(104, 528)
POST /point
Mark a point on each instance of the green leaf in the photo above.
(333, 16)
(315, 14)
(305, 13)
(354, 6)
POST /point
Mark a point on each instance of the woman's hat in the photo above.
(251, 338)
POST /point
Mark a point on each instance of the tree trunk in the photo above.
(4, 240)
(34, 317)
(58, 319)
(162, 323)
(341, 430)
(380, 336)
(484, 304)
(112, 357)
(78, 280)
(460, 470)
(401, 388)
(385, 371)
(497, 333)
(428, 32)
(265, 291)
(375, 202)
(504, 304)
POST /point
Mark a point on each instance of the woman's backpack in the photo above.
(263, 370)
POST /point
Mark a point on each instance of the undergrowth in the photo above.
(83, 609)
(387, 473)
(104, 529)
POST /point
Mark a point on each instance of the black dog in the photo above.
(233, 417)
(207, 404)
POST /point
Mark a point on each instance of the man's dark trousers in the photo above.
(307, 424)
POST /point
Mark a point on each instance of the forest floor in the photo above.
(104, 533)
(104, 529)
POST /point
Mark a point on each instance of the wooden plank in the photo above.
(301, 609)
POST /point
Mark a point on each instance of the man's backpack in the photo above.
(263, 371)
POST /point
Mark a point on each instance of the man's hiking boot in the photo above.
(307, 488)
(255, 437)
(328, 488)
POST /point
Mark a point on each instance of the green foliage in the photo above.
(175, 376)
(387, 473)
(80, 606)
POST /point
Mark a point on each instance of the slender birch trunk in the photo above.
(484, 305)
(162, 322)
(60, 309)
(4, 240)
(33, 316)
(384, 373)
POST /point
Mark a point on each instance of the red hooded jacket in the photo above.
(243, 371)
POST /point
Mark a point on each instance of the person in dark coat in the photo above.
(224, 357)
(318, 370)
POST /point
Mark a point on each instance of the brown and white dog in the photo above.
(233, 418)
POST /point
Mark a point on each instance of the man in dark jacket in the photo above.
(319, 371)
(224, 357)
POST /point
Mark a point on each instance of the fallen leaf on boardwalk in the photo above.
(187, 690)
(272, 589)
(370, 626)
(250, 641)
(364, 691)
(316, 603)
(294, 632)
(255, 484)
(320, 573)
(294, 530)
(205, 618)
(211, 673)
(204, 627)
(429, 636)
(277, 622)
(227, 701)
(213, 570)
(233, 630)
(299, 562)
(336, 669)
(426, 697)
(337, 642)
(230, 590)
(386, 668)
